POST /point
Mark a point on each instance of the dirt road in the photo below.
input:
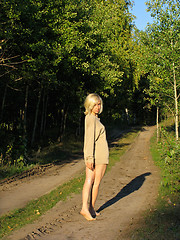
(19, 192)
(126, 192)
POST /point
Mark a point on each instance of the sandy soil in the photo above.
(130, 188)
(16, 193)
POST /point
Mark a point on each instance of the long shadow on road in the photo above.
(131, 187)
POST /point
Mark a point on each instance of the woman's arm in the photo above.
(89, 141)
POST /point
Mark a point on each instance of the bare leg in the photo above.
(99, 173)
(85, 194)
(91, 209)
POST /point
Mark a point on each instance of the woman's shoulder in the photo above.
(90, 118)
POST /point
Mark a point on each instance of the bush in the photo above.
(169, 150)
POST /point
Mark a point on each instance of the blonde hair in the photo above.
(91, 100)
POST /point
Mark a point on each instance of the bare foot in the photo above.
(87, 215)
(93, 212)
(97, 213)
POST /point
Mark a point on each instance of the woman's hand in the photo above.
(90, 166)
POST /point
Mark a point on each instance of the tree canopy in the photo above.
(53, 53)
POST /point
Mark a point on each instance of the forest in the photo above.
(54, 52)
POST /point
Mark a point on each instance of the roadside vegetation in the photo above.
(34, 209)
(55, 152)
(163, 221)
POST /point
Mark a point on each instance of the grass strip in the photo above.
(35, 208)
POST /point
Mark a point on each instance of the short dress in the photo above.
(95, 143)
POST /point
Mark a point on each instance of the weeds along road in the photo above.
(126, 191)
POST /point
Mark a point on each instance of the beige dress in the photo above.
(95, 144)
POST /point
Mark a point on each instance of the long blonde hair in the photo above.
(91, 100)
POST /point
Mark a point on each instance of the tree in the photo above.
(165, 43)
(70, 48)
(160, 48)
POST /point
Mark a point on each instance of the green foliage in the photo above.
(12, 170)
(169, 162)
(13, 147)
(53, 54)
(158, 57)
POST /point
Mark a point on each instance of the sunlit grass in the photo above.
(9, 171)
(34, 209)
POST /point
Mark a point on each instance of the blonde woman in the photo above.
(96, 154)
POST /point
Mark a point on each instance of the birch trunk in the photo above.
(176, 105)
(157, 123)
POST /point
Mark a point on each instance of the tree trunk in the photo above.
(45, 114)
(176, 105)
(61, 124)
(3, 103)
(78, 131)
(157, 123)
(36, 117)
(25, 111)
(62, 128)
(65, 118)
(42, 115)
(24, 120)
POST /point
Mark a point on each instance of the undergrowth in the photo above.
(54, 153)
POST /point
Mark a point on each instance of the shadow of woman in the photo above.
(131, 187)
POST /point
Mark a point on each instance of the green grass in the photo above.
(34, 209)
(9, 171)
(163, 222)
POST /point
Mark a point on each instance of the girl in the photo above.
(96, 154)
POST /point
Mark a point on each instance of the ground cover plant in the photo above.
(163, 222)
(53, 153)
